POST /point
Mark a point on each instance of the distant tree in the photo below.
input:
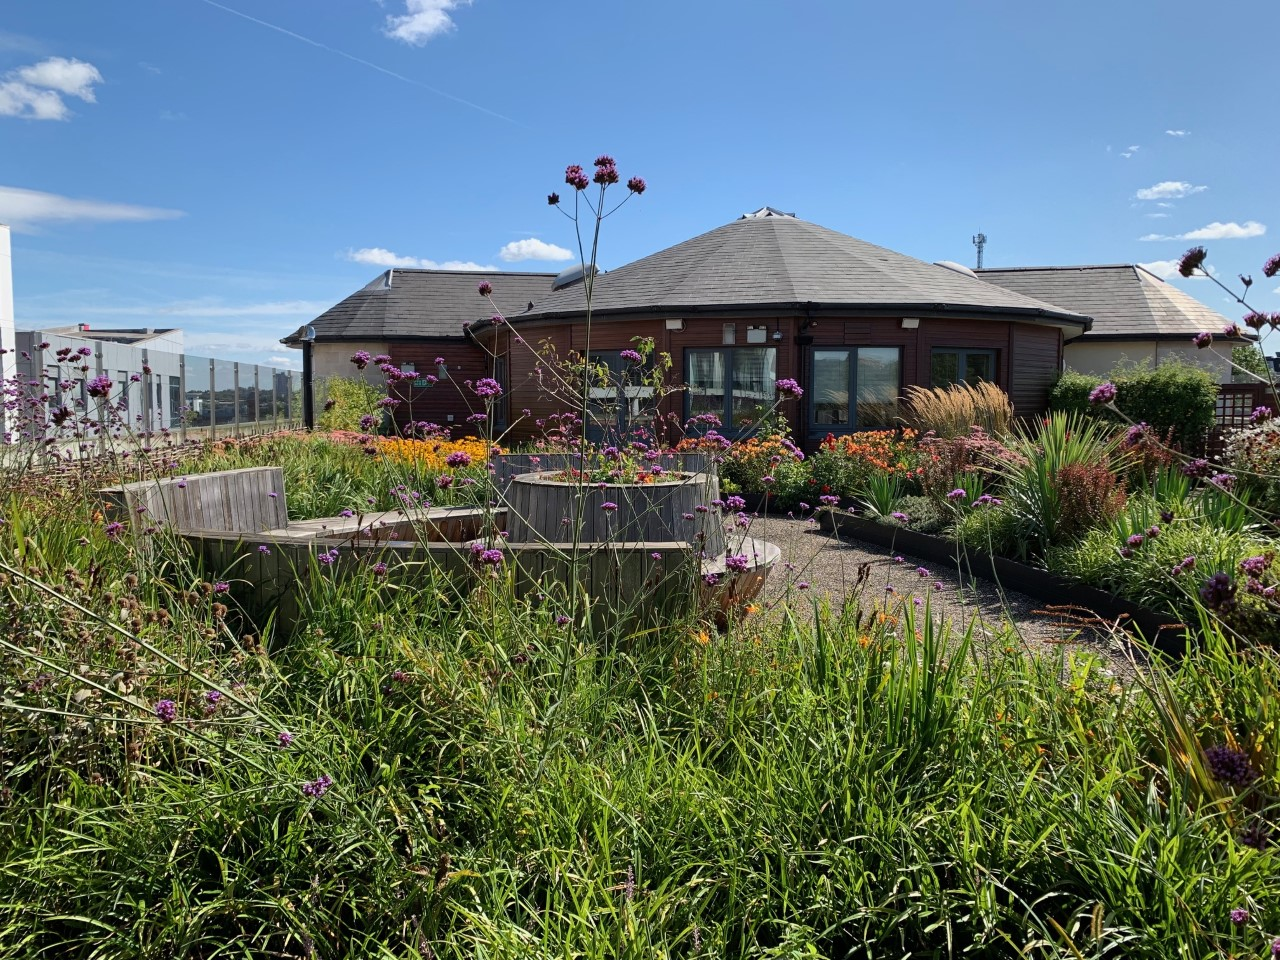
(1248, 357)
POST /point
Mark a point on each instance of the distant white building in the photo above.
(1137, 317)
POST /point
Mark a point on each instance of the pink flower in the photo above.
(637, 185)
(575, 177)
(1272, 266)
(484, 288)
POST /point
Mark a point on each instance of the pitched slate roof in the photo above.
(424, 303)
(1127, 302)
(779, 262)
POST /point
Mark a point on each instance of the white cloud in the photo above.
(75, 78)
(1156, 216)
(1169, 190)
(1129, 152)
(1227, 231)
(533, 249)
(23, 209)
(1164, 269)
(423, 20)
(20, 100)
(1178, 133)
(1216, 231)
(381, 257)
(213, 308)
(206, 308)
(35, 92)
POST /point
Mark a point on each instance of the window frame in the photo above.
(852, 426)
(962, 354)
(727, 427)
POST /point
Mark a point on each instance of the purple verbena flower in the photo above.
(1192, 261)
(608, 506)
(487, 387)
(788, 387)
(636, 185)
(957, 494)
(484, 288)
(736, 562)
(631, 356)
(459, 458)
(318, 787)
(167, 711)
(1203, 339)
(1239, 916)
(1103, 394)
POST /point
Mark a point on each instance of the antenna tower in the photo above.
(980, 241)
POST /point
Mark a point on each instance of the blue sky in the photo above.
(175, 163)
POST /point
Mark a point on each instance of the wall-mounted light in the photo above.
(910, 323)
(777, 336)
(676, 325)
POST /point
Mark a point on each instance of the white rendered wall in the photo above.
(9, 360)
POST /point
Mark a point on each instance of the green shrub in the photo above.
(1154, 572)
(1176, 399)
(924, 513)
(346, 401)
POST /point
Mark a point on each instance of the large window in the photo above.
(950, 365)
(734, 383)
(855, 388)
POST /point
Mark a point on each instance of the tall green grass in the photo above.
(504, 785)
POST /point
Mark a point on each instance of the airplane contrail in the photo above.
(364, 63)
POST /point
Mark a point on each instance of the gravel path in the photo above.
(840, 570)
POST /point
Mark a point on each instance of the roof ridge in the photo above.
(1067, 266)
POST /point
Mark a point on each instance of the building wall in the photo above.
(334, 360)
(1028, 357)
(1099, 358)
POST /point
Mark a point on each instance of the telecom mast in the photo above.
(980, 241)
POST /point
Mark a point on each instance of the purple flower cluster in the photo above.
(1187, 563)
(575, 177)
(959, 493)
(1203, 339)
(609, 506)
(487, 387)
(636, 185)
(361, 359)
(459, 458)
(1272, 266)
(318, 787)
(788, 387)
(1230, 766)
(1136, 434)
(1219, 592)
(1103, 394)
(736, 562)
(1223, 481)
(167, 711)
(606, 171)
(1260, 414)
(368, 422)
(100, 387)
(1197, 468)
(1192, 261)
(1255, 566)
(484, 288)
(631, 356)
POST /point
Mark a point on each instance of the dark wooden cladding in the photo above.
(1028, 360)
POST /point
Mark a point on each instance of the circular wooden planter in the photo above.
(543, 509)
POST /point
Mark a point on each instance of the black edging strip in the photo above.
(1169, 638)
